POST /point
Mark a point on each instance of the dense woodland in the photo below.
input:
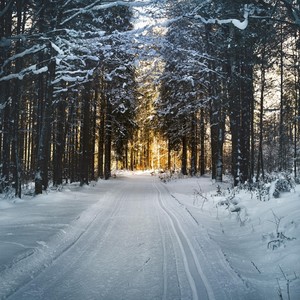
(200, 86)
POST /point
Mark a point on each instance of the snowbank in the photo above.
(259, 239)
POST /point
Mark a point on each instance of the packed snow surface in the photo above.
(137, 237)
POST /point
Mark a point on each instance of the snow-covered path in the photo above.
(136, 242)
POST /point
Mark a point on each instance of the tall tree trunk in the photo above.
(101, 140)
(217, 137)
(194, 145)
(297, 104)
(281, 157)
(202, 142)
(260, 157)
(219, 163)
(184, 156)
(43, 151)
(85, 137)
(59, 143)
(16, 109)
(5, 101)
(93, 135)
(247, 97)
(169, 154)
(108, 138)
(235, 124)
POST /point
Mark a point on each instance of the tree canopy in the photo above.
(90, 86)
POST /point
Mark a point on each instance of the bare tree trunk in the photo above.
(85, 137)
(297, 105)
(260, 159)
(281, 157)
(169, 155)
(219, 164)
(59, 143)
(93, 135)
(184, 156)
(108, 137)
(15, 111)
(5, 101)
(202, 142)
(43, 154)
(101, 140)
(194, 145)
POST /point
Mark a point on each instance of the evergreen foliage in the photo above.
(69, 93)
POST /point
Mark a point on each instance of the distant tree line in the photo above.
(69, 97)
(66, 90)
(225, 62)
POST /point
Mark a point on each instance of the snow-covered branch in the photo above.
(96, 7)
(30, 70)
(237, 23)
(30, 51)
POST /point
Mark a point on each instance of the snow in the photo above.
(31, 69)
(242, 25)
(95, 7)
(57, 49)
(34, 49)
(243, 231)
(136, 237)
(40, 71)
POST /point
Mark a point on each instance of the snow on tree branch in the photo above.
(30, 70)
(242, 25)
(57, 49)
(95, 6)
(32, 50)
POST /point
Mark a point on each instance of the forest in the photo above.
(87, 87)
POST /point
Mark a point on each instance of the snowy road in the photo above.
(136, 242)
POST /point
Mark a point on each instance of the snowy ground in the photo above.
(135, 237)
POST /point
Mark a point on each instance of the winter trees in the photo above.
(208, 67)
(278, 65)
(183, 88)
(70, 95)
(53, 56)
(222, 48)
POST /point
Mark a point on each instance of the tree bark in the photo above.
(194, 145)
(85, 137)
(184, 156)
(202, 142)
(108, 139)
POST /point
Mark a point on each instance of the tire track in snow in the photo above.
(23, 272)
(200, 287)
(223, 269)
(164, 259)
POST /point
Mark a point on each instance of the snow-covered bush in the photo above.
(166, 176)
(272, 184)
(284, 184)
(297, 180)
(232, 203)
(262, 191)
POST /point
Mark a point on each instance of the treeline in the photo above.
(227, 62)
(67, 91)
(225, 93)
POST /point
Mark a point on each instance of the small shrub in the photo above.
(199, 195)
(279, 239)
(283, 185)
